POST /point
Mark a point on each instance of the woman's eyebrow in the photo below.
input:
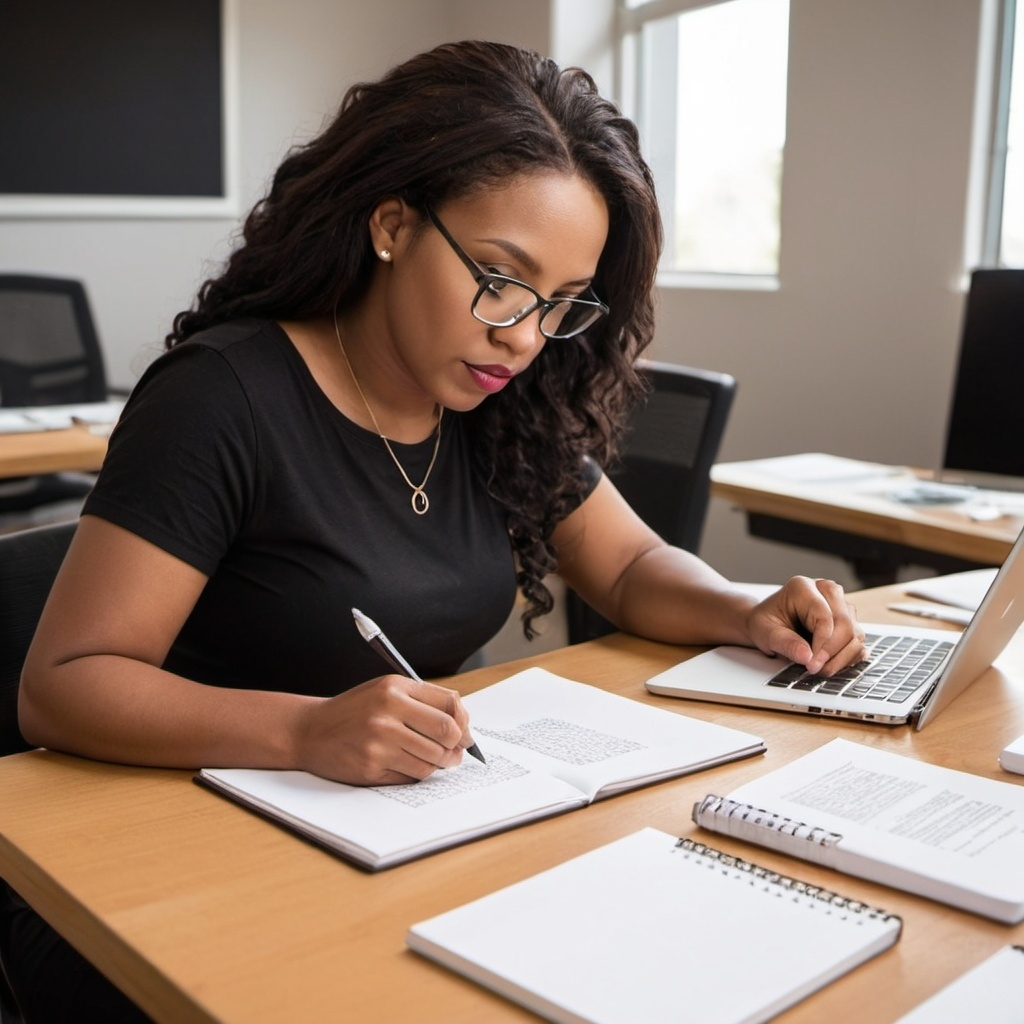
(518, 254)
(522, 257)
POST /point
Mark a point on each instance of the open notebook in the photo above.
(910, 675)
(552, 745)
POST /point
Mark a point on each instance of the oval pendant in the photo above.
(420, 501)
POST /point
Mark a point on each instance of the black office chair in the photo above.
(49, 355)
(985, 433)
(29, 561)
(665, 468)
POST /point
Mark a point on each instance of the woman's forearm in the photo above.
(115, 708)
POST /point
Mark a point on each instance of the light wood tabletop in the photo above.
(202, 911)
(51, 451)
(863, 508)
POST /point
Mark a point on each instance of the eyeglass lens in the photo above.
(502, 303)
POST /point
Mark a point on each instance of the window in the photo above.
(1011, 223)
(706, 82)
(996, 237)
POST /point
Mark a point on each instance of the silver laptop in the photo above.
(910, 673)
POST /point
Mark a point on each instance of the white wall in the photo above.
(874, 196)
(877, 152)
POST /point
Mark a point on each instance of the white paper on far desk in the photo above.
(819, 468)
(35, 418)
(551, 745)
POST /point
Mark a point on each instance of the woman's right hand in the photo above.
(391, 729)
(93, 685)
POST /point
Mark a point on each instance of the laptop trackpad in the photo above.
(722, 670)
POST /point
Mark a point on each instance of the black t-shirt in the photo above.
(230, 457)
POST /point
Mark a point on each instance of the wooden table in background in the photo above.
(876, 534)
(51, 451)
(204, 912)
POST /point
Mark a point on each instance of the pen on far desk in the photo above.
(374, 636)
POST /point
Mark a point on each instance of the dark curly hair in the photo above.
(446, 124)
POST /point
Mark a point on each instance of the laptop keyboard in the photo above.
(894, 668)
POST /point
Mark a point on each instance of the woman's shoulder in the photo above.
(211, 374)
(236, 339)
(245, 349)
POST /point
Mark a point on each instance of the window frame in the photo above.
(984, 220)
(629, 25)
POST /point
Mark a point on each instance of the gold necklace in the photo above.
(420, 502)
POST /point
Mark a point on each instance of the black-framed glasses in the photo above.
(502, 301)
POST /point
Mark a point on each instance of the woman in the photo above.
(396, 396)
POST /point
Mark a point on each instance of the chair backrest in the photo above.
(49, 351)
(29, 560)
(986, 420)
(665, 468)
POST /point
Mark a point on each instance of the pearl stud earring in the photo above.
(385, 255)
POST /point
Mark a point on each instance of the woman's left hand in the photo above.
(810, 622)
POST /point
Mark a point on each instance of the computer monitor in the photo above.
(985, 433)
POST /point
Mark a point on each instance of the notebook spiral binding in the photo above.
(812, 892)
(720, 806)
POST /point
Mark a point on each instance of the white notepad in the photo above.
(990, 993)
(651, 928)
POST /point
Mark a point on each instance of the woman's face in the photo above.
(547, 230)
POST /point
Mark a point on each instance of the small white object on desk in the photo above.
(1012, 756)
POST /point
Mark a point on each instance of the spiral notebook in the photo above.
(934, 831)
(655, 928)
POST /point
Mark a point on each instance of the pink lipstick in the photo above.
(490, 378)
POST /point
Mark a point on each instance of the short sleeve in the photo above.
(590, 477)
(180, 468)
(592, 474)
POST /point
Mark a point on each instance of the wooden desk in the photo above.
(51, 451)
(203, 912)
(857, 522)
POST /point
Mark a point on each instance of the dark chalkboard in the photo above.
(112, 98)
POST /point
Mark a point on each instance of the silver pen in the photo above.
(374, 636)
